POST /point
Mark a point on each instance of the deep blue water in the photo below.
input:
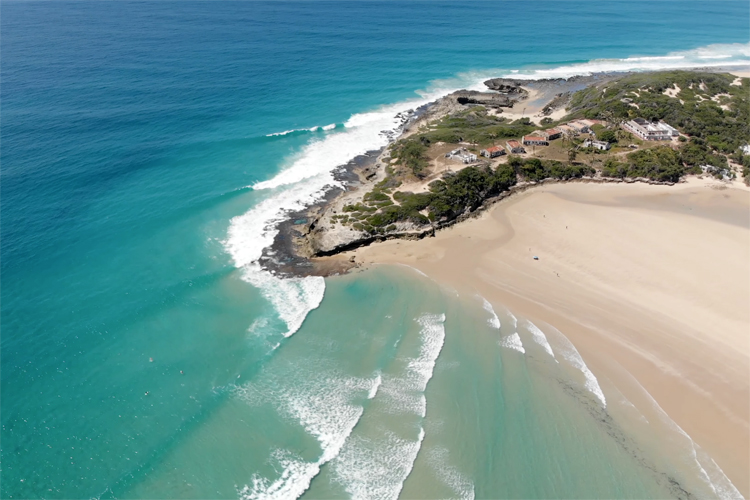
(130, 134)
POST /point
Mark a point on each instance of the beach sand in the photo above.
(654, 280)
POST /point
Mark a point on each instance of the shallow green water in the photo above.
(396, 386)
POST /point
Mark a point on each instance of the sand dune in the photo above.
(653, 279)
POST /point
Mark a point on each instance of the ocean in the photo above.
(148, 151)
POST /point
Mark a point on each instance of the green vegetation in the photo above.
(659, 164)
(473, 125)
(692, 111)
(446, 199)
(411, 154)
(713, 133)
(534, 169)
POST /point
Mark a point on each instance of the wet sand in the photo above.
(653, 281)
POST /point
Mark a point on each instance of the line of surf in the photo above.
(317, 128)
(368, 469)
(327, 412)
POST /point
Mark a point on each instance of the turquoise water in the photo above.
(141, 178)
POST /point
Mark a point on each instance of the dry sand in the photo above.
(652, 279)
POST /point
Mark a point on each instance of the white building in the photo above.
(650, 131)
(462, 155)
(601, 145)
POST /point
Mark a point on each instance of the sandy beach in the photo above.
(653, 281)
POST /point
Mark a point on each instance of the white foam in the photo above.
(433, 337)
(293, 298)
(513, 341)
(493, 321)
(374, 389)
(378, 469)
(370, 469)
(569, 352)
(311, 129)
(717, 55)
(285, 132)
(326, 411)
(449, 475)
(538, 336)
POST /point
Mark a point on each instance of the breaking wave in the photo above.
(716, 55)
(513, 341)
(378, 469)
(298, 131)
(326, 411)
(569, 352)
(540, 338)
(494, 321)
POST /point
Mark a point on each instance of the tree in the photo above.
(607, 136)
(572, 155)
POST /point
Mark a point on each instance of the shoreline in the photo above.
(611, 277)
(295, 252)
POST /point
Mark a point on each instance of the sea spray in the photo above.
(325, 408)
(293, 298)
(377, 467)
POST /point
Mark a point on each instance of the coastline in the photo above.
(612, 277)
(653, 327)
(306, 238)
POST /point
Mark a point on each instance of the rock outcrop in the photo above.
(483, 98)
(504, 85)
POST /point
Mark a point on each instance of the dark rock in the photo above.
(504, 85)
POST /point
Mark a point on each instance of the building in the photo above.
(567, 130)
(552, 134)
(601, 145)
(579, 126)
(650, 131)
(493, 152)
(515, 147)
(462, 155)
(590, 123)
(534, 140)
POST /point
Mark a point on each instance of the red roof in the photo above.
(534, 138)
(513, 144)
(552, 131)
(494, 149)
